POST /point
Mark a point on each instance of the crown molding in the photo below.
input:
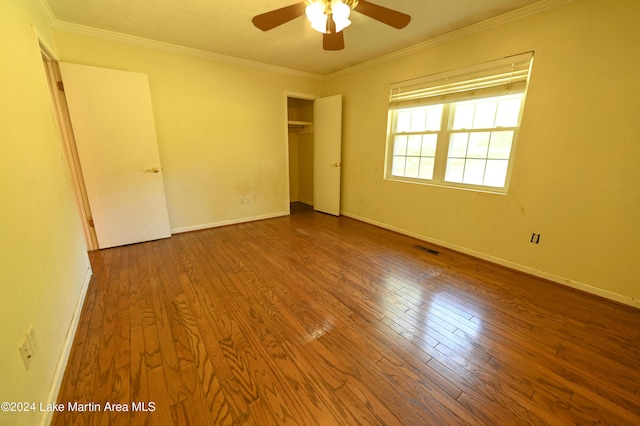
(174, 48)
(159, 45)
(46, 11)
(521, 13)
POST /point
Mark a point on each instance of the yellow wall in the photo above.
(301, 167)
(576, 178)
(305, 168)
(221, 128)
(43, 259)
(293, 166)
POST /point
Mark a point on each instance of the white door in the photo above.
(327, 154)
(115, 134)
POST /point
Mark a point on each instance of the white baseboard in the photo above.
(227, 222)
(512, 265)
(66, 349)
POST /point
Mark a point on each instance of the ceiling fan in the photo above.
(330, 17)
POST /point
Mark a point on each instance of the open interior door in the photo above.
(115, 133)
(327, 154)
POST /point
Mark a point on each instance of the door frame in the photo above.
(65, 131)
(287, 95)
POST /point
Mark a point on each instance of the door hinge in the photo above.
(61, 86)
(90, 221)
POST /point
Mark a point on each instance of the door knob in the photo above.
(153, 170)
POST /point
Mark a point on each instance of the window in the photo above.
(458, 129)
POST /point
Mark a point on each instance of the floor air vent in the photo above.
(427, 249)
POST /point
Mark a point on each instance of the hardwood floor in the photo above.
(312, 319)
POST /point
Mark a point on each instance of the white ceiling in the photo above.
(224, 27)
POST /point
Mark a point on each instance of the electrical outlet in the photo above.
(33, 339)
(245, 199)
(26, 351)
(535, 238)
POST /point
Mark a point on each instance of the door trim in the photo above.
(65, 131)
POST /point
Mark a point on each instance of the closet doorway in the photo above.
(314, 144)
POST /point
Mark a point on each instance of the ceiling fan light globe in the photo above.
(320, 25)
(340, 10)
(315, 15)
(342, 25)
(340, 14)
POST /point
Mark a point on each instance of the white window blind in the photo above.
(500, 77)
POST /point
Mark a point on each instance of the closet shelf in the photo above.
(295, 123)
(300, 127)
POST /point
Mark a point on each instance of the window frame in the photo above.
(444, 139)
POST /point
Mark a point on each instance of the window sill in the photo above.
(482, 189)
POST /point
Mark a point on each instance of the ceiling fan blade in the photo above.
(275, 18)
(333, 41)
(380, 13)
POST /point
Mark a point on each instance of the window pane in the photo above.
(429, 143)
(434, 118)
(478, 145)
(398, 166)
(418, 119)
(415, 145)
(496, 173)
(455, 170)
(400, 145)
(413, 167)
(508, 111)
(481, 137)
(403, 123)
(426, 168)
(463, 115)
(474, 172)
(458, 145)
(485, 115)
(500, 146)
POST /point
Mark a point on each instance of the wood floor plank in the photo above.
(366, 406)
(170, 291)
(138, 382)
(263, 415)
(194, 407)
(274, 385)
(158, 394)
(208, 362)
(167, 343)
(314, 319)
